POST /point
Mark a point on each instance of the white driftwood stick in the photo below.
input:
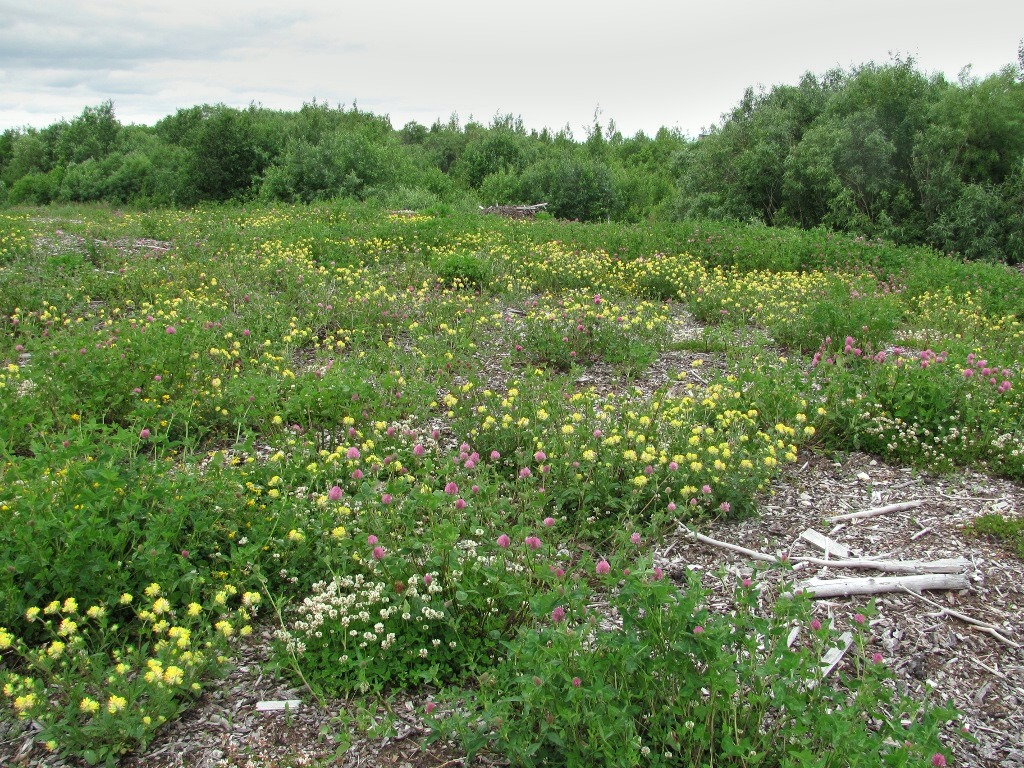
(825, 544)
(950, 565)
(873, 585)
(901, 507)
(731, 547)
(276, 706)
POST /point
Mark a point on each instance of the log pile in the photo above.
(514, 211)
(917, 575)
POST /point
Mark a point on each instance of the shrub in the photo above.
(464, 270)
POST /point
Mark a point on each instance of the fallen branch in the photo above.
(920, 533)
(950, 565)
(873, 585)
(731, 547)
(981, 626)
(901, 507)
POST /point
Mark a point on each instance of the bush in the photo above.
(36, 188)
(574, 188)
(463, 270)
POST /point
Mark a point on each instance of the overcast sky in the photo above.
(644, 64)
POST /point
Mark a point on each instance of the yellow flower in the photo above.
(251, 598)
(24, 703)
(52, 607)
(194, 609)
(96, 612)
(32, 613)
(162, 605)
(67, 627)
(225, 628)
(6, 639)
(295, 535)
(55, 649)
(70, 605)
(153, 590)
(115, 704)
(174, 676)
(181, 635)
(339, 532)
(155, 673)
(89, 705)
(125, 599)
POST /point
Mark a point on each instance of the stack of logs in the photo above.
(514, 211)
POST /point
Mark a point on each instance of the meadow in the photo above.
(423, 446)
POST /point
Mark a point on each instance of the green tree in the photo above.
(91, 135)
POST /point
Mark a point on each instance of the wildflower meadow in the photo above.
(422, 448)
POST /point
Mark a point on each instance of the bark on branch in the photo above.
(873, 585)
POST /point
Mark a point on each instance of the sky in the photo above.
(646, 64)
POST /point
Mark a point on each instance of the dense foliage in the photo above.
(880, 150)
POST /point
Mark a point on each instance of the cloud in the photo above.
(653, 63)
(121, 35)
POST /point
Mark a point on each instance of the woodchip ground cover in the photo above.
(375, 433)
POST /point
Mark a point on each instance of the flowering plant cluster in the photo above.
(101, 679)
(924, 407)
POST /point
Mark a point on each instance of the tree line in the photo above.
(880, 150)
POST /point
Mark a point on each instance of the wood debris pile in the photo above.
(514, 211)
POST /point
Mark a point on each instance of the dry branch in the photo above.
(949, 565)
(873, 585)
(731, 547)
(901, 507)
